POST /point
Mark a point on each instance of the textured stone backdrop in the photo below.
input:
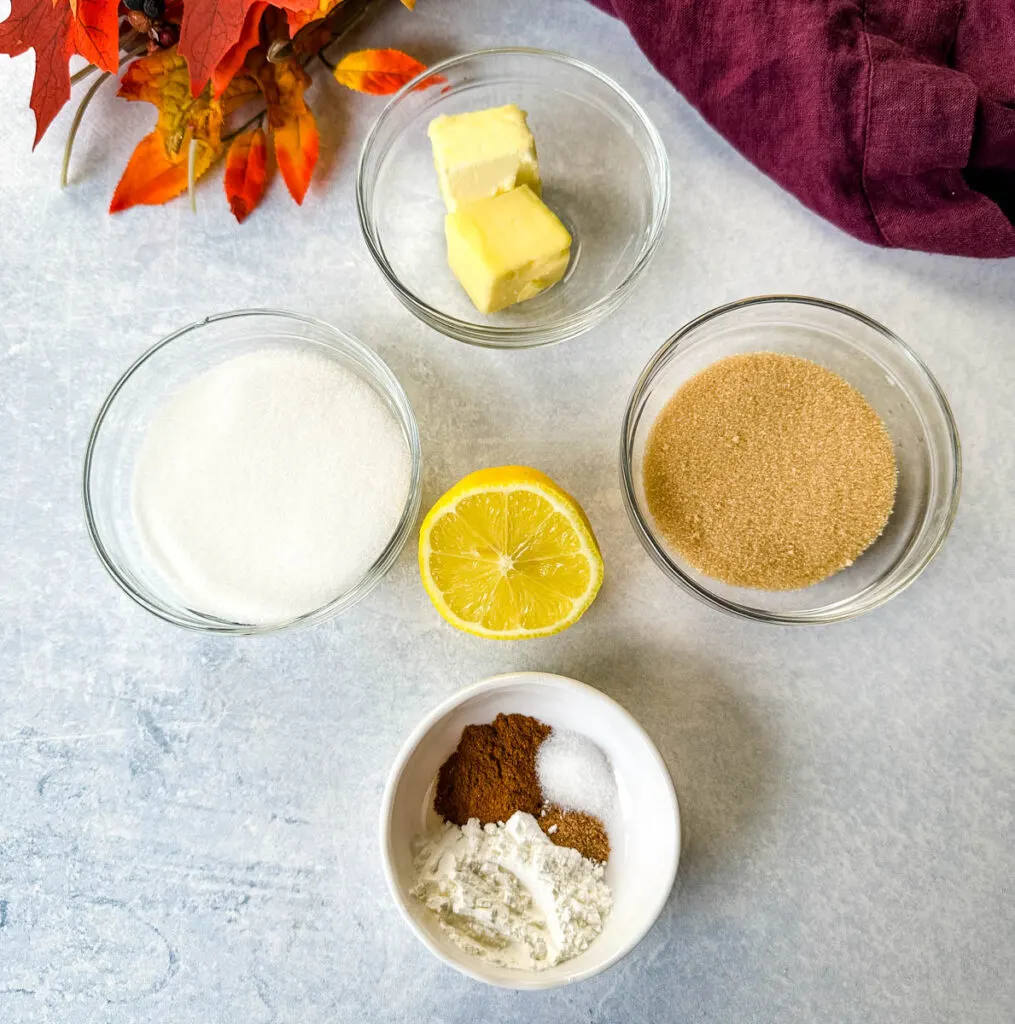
(188, 825)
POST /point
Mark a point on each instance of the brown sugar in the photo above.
(766, 470)
(492, 773)
(576, 829)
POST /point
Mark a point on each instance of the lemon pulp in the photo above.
(507, 554)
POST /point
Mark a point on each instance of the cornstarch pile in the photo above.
(269, 484)
(505, 894)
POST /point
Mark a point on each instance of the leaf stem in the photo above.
(353, 16)
(80, 76)
(280, 51)
(324, 60)
(130, 54)
(79, 113)
(259, 116)
(191, 176)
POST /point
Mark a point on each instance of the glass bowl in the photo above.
(141, 393)
(893, 380)
(604, 170)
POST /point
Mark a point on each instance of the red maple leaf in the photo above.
(227, 68)
(210, 28)
(42, 26)
(55, 29)
(246, 172)
(95, 32)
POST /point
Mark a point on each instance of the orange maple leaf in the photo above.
(293, 128)
(297, 19)
(300, 19)
(378, 72)
(246, 172)
(297, 146)
(154, 176)
(156, 79)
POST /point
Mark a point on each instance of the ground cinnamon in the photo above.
(492, 773)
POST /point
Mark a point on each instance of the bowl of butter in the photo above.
(512, 197)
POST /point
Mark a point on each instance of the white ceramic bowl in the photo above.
(644, 835)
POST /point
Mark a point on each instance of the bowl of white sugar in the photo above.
(251, 472)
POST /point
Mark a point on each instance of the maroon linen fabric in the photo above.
(894, 119)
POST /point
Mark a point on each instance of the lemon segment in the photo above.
(507, 554)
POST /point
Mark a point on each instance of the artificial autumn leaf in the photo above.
(161, 78)
(95, 32)
(157, 170)
(297, 145)
(55, 29)
(210, 28)
(154, 78)
(293, 128)
(42, 26)
(231, 63)
(240, 90)
(245, 175)
(297, 19)
(154, 176)
(378, 72)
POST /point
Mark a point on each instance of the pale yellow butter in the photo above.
(482, 154)
(507, 248)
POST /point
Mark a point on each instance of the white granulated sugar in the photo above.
(576, 775)
(505, 894)
(267, 486)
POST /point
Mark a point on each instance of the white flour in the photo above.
(267, 485)
(507, 895)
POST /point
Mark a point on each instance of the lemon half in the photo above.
(506, 554)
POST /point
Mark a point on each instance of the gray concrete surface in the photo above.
(188, 824)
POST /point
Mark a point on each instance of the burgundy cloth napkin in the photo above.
(894, 119)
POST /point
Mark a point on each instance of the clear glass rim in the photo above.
(873, 596)
(343, 601)
(563, 328)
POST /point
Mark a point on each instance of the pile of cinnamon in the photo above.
(492, 774)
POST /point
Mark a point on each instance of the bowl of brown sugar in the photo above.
(789, 460)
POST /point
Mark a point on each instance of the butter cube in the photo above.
(507, 248)
(482, 154)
